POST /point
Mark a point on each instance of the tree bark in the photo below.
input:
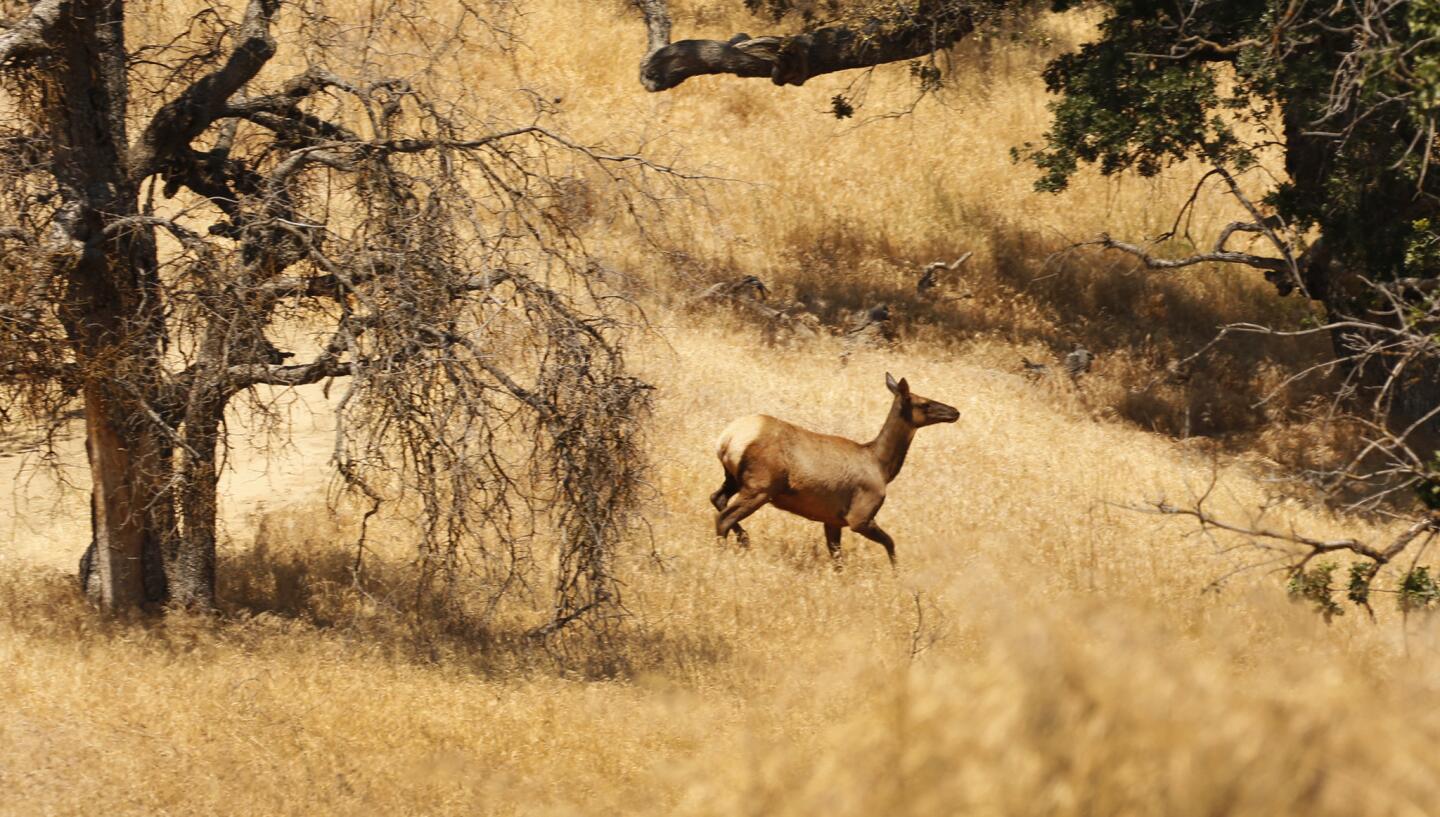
(191, 566)
(112, 307)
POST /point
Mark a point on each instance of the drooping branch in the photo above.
(794, 59)
(26, 38)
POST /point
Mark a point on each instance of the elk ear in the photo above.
(902, 388)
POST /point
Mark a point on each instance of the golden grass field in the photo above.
(1042, 648)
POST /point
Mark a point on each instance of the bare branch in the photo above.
(1315, 545)
(299, 374)
(280, 111)
(1217, 256)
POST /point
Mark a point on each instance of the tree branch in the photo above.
(1219, 255)
(280, 111)
(657, 23)
(299, 374)
(26, 39)
(1429, 523)
(176, 124)
(792, 60)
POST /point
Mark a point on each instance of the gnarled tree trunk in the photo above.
(112, 309)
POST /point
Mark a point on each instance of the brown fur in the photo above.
(832, 480)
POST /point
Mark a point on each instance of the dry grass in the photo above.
(1040, 651)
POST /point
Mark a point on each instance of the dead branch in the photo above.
(930, 275)
(177, 123)
(1218, 255)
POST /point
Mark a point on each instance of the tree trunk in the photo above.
(112, 308)
(1333, 281)
(125, 565)
(191, 568)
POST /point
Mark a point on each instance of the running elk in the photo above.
(832, 480)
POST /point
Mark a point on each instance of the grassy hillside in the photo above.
(1042, 649)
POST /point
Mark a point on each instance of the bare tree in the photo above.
(162, 209)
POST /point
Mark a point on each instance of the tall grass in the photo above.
(1040, 650)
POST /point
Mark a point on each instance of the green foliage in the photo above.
(1361, 574)
(1422, 249)
(1429, 490)
(1124, 106)
(1350, 91)
(1418, 590)
(1314, 586)
(1423, 17)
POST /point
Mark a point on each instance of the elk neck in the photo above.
(893, 442)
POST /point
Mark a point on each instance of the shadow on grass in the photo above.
(1025, 290)
(296, 585)
(302, 568)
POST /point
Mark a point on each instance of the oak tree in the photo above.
(168, 202)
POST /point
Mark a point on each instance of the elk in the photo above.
(831, 480)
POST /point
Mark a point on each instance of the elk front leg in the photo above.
(873, 532)
(861, 519)
(832, 541)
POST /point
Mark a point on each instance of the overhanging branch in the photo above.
(1218, 255)
(794, 59)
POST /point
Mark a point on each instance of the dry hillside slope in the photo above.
(1039, 651)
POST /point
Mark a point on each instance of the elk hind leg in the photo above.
(721, 498)
(741, 505)
(727, 489)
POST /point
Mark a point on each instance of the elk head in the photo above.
(916, 410)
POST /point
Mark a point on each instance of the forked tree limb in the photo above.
(26, 38)
(1314, 547)
(206, 100)
(792, 59)
(657, 23)
(280, 112)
